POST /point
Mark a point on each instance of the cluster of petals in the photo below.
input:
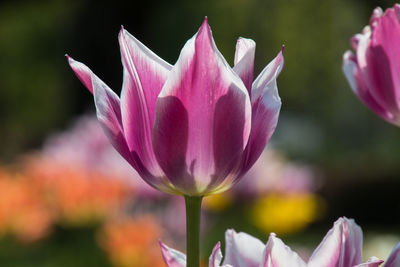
(373, 72)
(341, 247)
(193, 128)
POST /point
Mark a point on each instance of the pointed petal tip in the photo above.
(204, 25)
(283, 49)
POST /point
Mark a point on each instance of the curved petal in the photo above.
(107, 107)
(357, 84)
(83, 73)
(244, 61)
(108, 110)
(277, 254)
(341, 247)
(144, 76)
(202, 120)
(372, 262)
(394, 257)
(382, 57)
(242, 250)
(266, 105)
(172, 257)
(216, 257)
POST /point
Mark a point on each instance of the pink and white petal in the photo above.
(394, 257)
(383, 62)
(358, 86)
(107, 107)
(242, 250)
(172, 257)
(372, 262)
(83, 73)
(144, 76)
(266, 105)
(277, 254)
(397, 11)
(216, 257)
(376, 14)
(202, 120)
(244, 61)
(148, 71)
(341, 247)
(109, 115)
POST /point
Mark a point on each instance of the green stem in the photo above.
(193, 212)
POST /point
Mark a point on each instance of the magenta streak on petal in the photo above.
(109, 115)
(172, 257)
(172, 117)
(244, 61)
(216, 256)
(266, 105)
(358, 86)
(341, 247)
(383, 62)
(198, 81)
(144, 76)
(82, 72)
(372, 262)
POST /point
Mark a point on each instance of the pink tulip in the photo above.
(374, 71)
(193, 128)
(341, 247)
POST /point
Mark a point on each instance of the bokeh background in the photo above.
(66, 199)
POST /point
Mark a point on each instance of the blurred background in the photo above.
(68, 199)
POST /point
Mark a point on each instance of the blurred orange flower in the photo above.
(132, 242)
(77, 196)
(22, 211)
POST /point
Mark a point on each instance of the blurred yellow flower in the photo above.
(285, 213)
(218, 202)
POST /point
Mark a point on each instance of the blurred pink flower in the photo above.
(341, 247)
(193, 128)
(272, 173)
(86, 148)
(374, 72)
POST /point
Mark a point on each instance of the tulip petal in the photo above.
(244, 61)
(341, 247)
(266, 105)
(242, 250)
(144, 76)
(382, 58)
(83, 73)
(277, 254)
(372, 262)
(357, 84)
(216, 257)
(394, 257)
(202, 120)
(109, 115)
(107, 107)
(172, 257)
